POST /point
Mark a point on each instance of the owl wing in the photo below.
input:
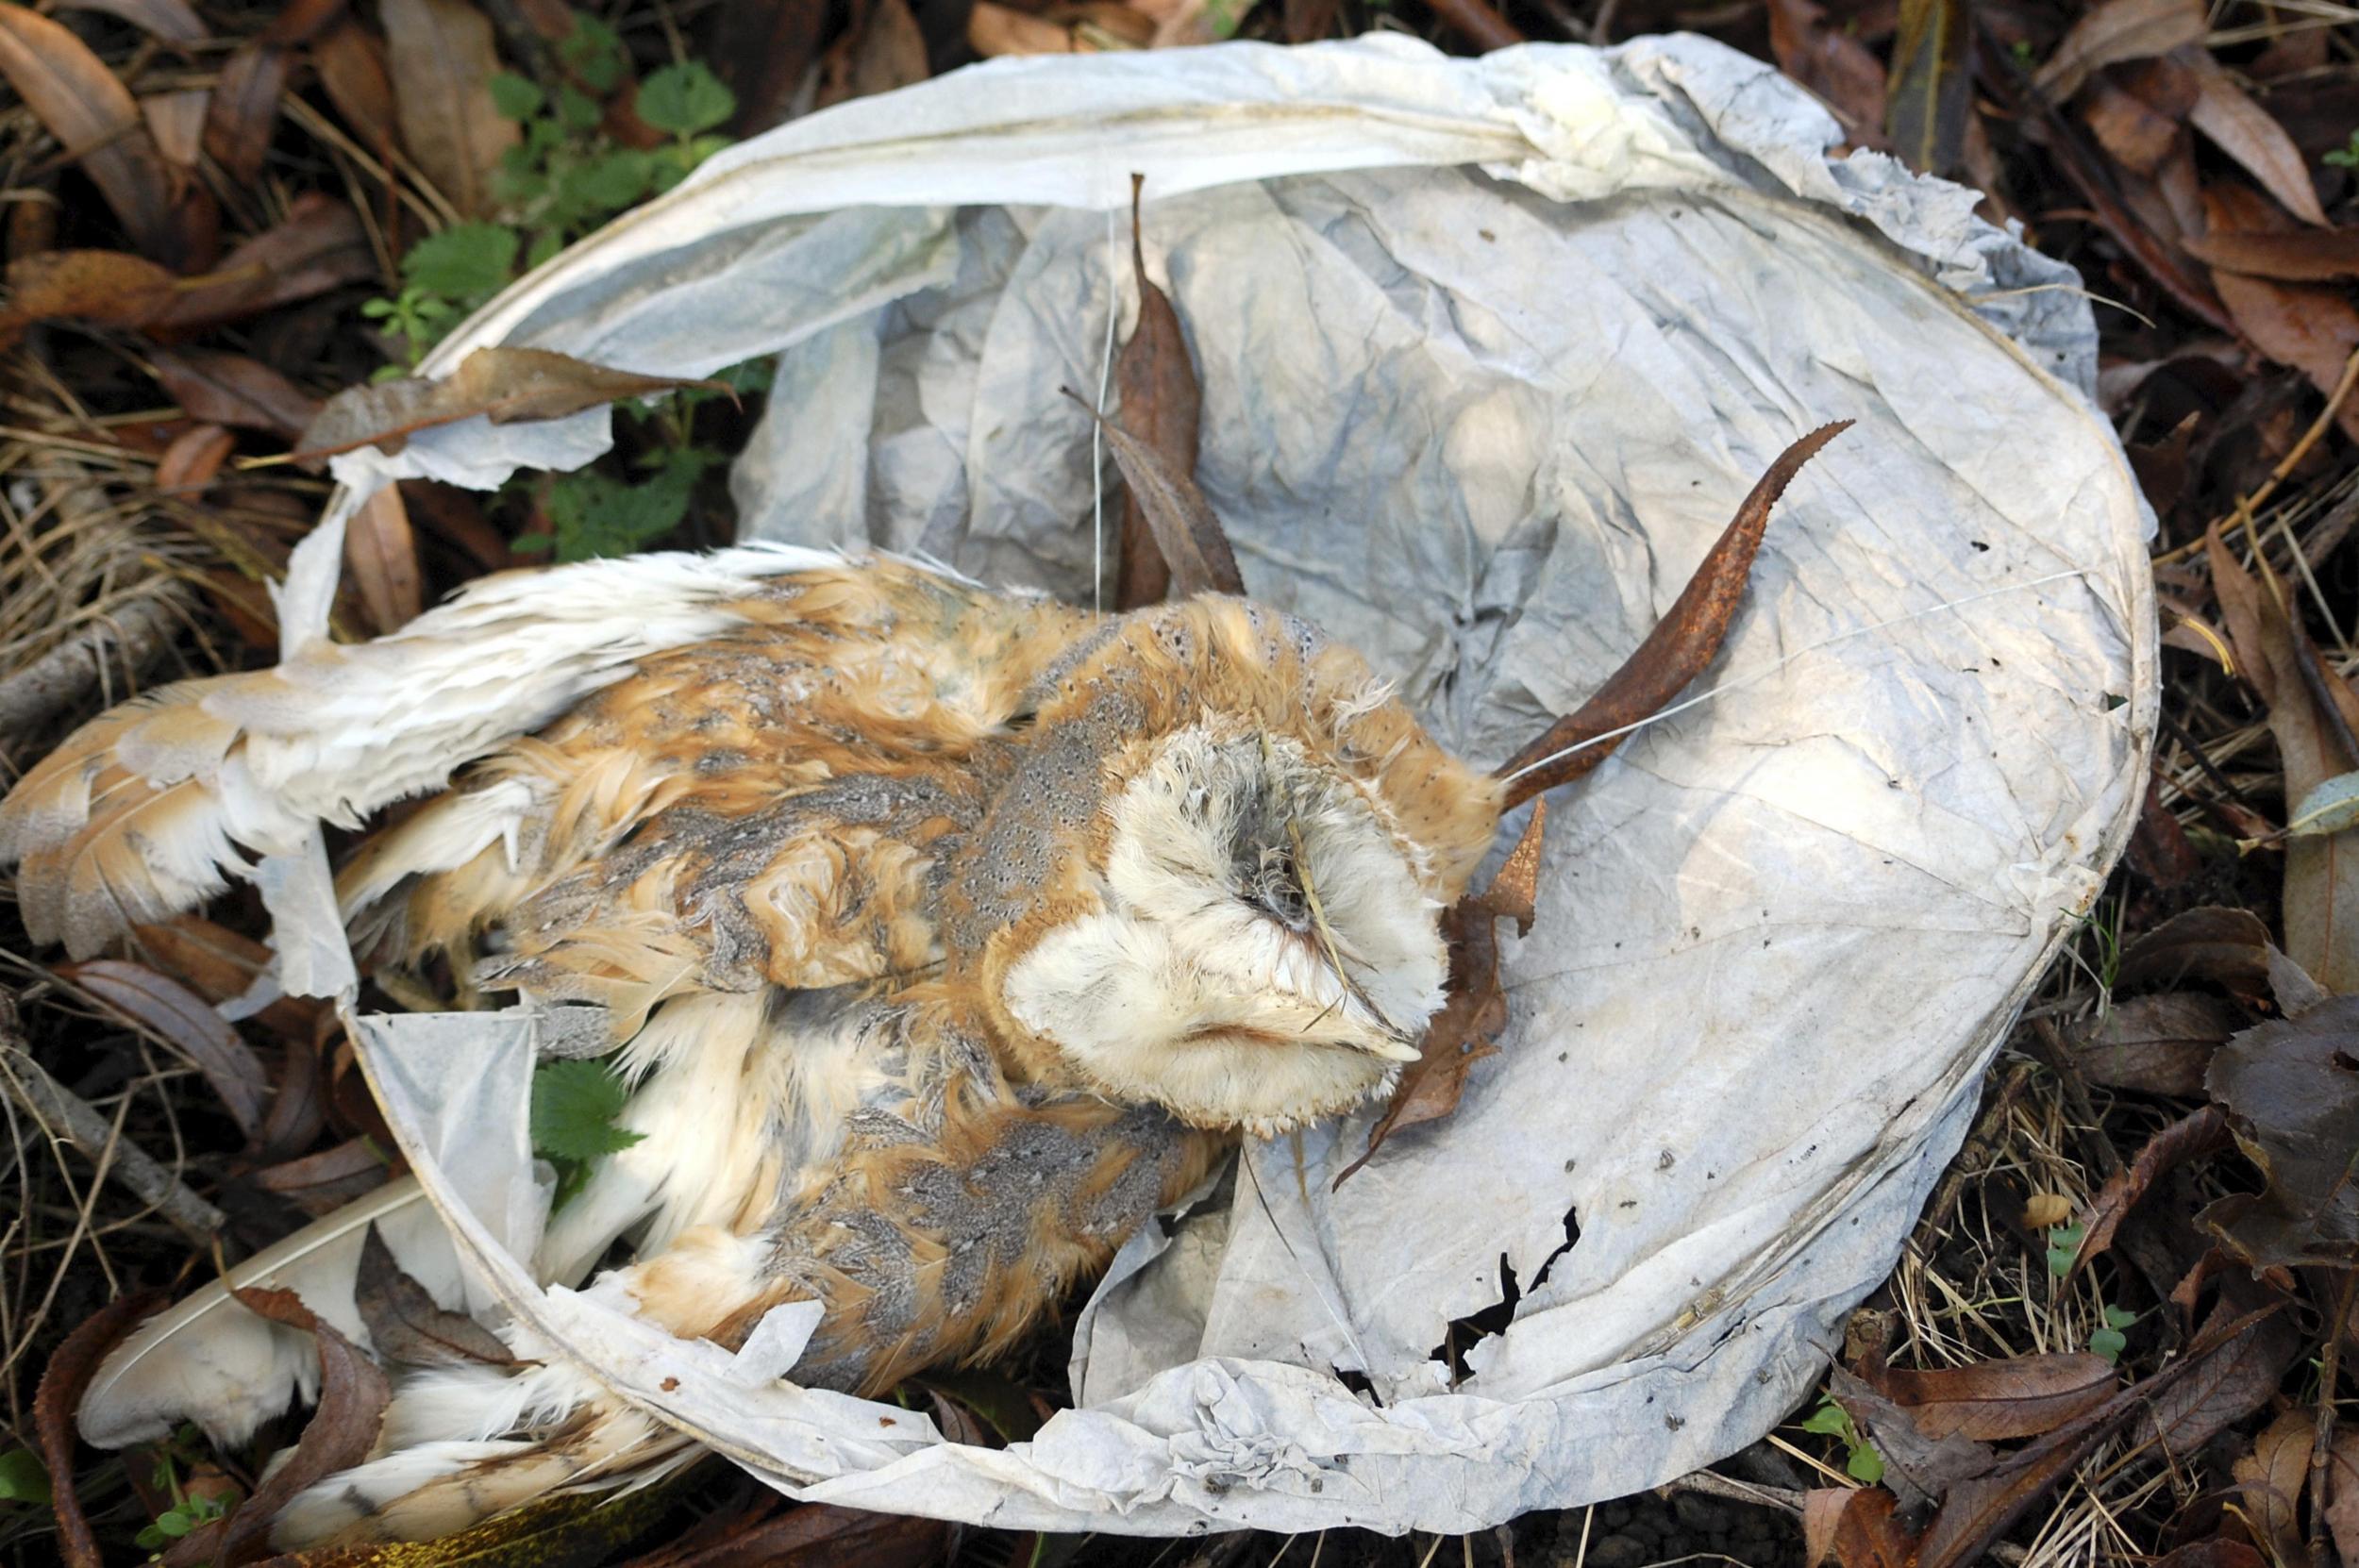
(153, 807)
(764, 807)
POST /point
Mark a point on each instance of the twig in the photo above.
(2322, 1443)
(130, 638)
(1477, 23)
(65, 1116)
(1711, 1483)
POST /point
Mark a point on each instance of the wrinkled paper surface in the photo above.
(1490, 351)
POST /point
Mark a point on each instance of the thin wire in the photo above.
(1097, 427)
(1773, 667)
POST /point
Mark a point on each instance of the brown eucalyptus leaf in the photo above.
(170, 20)
(177, 121)
(1194, 543)
(1933, 82)
(1156, 388)
(504, 385)
(2223, 947)
(1836, 68)
(2156, 1045)
(182, 1018)
(107, 287)
(2271, 1481)
(2291, 1089)
(351, 64)
(2115, 31)
(319, 245)
(2192, 1137)
(2246, 132)
(1981, 1509)
(1920, 1469)
(1679, 649)
(2302, 256)
(324, 1182)
(407, 1324)
(230, 388)
(2129, 128)
(2322, 898)
(62, 1382)
(2311, 329)
(94, 118)
(1993, 1401)
(382, 553)
(194, 456)
(1856, 1527)
(1474, 1006)
(343, 1427)
(2247, 1359)
(443, 60)
(245, 109)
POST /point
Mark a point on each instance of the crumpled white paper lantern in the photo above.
(1490, 350)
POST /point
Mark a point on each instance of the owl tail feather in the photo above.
(436, 1474)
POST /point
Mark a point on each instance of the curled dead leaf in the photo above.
(185, 1021)
(1156, 388)
(407, 1324)
(60, 1395)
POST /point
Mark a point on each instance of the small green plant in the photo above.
(2064, 1245)
(1860, 1460)
(2346, 157)
(22, 1477)
(574, 1105)
(565, 176)
(188, 1510)
(2110, 1341)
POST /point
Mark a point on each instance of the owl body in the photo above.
(944, 934)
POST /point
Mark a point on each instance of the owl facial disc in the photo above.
(1263, 953)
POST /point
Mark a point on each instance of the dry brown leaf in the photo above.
(59, 1394)
(807, 1535)
(504, 385)
(2292, 1096)
(1156, 388)
(765, 52)
(2312, 329)
(2225, 947)
(351, 1409)
(2238, 1376)
(407, 1324)
(300, 21)
(319, 245)
(194, 456)
(2129, 130)
(1919, 1468)
(1474, 1008)
(218, 964)
(107, 287)
(2115, 31)
(2192, 1137)
(230, 388)
(994, 29)
(883, 52)
(2271, 1481)
(350, 60)
(2156, 1045)
(382, 553)
(92, 116)
(2248, 133)
(189, 1024)
(1836, 68)
(245, 109)
(1857, 1527)
(2321, 891)
(2304, 255)
(1993, 1401)
(443, 60)
(321, 1183)
(1189, 535)
(177, 121)
(1679, 649)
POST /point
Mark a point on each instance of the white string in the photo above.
(1774, 666)
(1097, 427)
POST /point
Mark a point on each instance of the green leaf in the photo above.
(2108, 1343)
(593, 51)
(574, 1107)
(1829, 1420)
(2119, 1317)
(544, 245)
(173, 1523)
(22, 1477)
(1865, 1465)
(576, 111)
(2064, 1245)
(149, 1537)
(685, 99)
(516, 97)
(2345, 157)
(606, 185)
(593, 515)
(466, 261)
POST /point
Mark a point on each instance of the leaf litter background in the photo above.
(214, 220)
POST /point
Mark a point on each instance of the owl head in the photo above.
(1214, 880)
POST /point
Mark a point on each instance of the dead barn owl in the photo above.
(944, 933)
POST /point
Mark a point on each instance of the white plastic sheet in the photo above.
(1490, 349)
